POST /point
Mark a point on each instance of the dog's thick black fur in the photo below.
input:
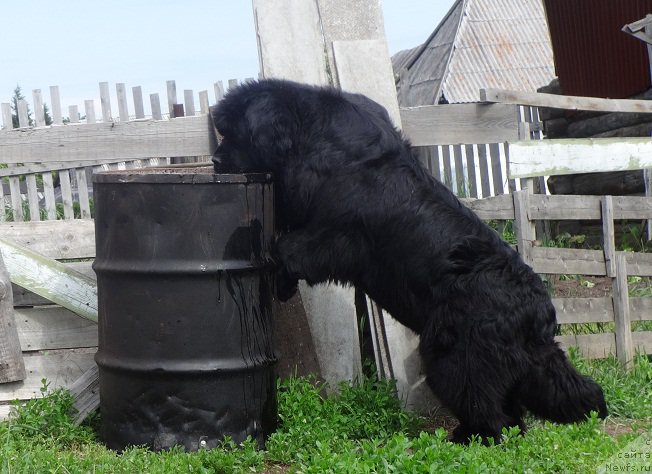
(355, 207)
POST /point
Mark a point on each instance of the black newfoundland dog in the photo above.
(355, 207)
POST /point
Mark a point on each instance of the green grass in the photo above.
(361, 429)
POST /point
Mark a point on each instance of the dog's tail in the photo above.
(556, 391)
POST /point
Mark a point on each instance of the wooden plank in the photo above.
(632, 207)
(204, 105)
(472, 175)
(66, 194)
(32, 198)
(73, 112)
(564, 102)
(86, 392)
(568, 261)
(459, 123)
(51, 279)
(584, 310)
(82, 193)
(54, 166)
(89, 110)
(61, 369)
(12, 367)
(60, 239)
(23, 116)
(624, 343)
(582, 155)
(155, 104)
(16, 199)
(290, 41)
(591, 346)
(499, 207)
(642, 341)
(364, 67)
(48, 193)
(57, 118)
(123, 109)
(7, 122)
(640, 308)
(53, 327)
(639, 263)
(523, 227)
(564, 207)
(189, 102)
(498, 177)
(25, 298)
(171, 87)
(39, 110)
(105, 102)
(608, 235)
(188, 136)
(139, 107)
(218, 88)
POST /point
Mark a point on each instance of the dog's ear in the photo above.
(270, 127)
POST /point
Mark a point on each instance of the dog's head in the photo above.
(255, 122)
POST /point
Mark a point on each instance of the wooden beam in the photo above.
(12, 367)
(555, 101)
(460, 123)
(582, 155)
(624, 343)
(51, 280)
(187, 136)
(70, 239)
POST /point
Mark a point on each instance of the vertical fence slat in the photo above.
(3, 215)
(48, 193)
(233, 83)
(32, 198)
(203, 102)
(105, 101)
(471, 171)
(523, 226)
(66, 194)
(39, 109)
(139, 106)
(16, 199)
(608, 235)
(446, 177)
(172, 96)
(219, 91)
(485, 176)
(73, 112)
(23, 116)
(123, 108)
(82, 192)
(7, 121)
(155, 104)
(624, 343)
(189, 102)
(55, 99)
(89, 110)
(494, 152)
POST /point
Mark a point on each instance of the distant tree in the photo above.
(18, 95)
(46, 112)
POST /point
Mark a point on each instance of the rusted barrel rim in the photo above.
(178, 175)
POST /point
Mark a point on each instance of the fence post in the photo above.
(523, 226)
(624, 343)
(12, 367)
(608, 235)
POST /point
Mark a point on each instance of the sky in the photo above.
(76, 44)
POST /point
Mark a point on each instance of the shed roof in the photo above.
(479, 44)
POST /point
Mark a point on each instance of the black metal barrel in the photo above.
(185, 307)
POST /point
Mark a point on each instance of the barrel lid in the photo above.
(180, 174)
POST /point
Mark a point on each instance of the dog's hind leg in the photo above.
(555, 390)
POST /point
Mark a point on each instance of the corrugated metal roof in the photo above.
(479, 44)
(593, 57)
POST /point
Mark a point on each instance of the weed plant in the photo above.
(361, 428)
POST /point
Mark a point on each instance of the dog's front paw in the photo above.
(286, 286)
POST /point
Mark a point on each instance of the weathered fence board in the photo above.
(582, 155)
(57, 239)
(460, 123)
(51, 328)
(187, 136)
(564, 102)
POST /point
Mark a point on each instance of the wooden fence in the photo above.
(58, 345)
(49, 169)
(525, 209)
